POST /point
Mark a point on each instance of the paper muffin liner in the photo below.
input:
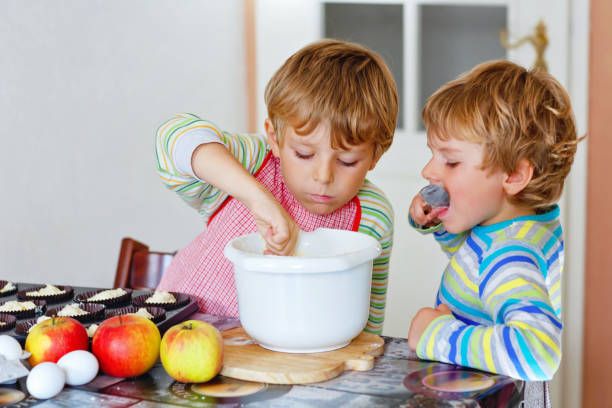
(95, 311)
(3, 283)
(181, 300)
(40, 308)
(158, 313)
(8, 320)
(109, 303)
(67, 295)
(24, 326)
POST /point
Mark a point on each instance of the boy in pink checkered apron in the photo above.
(332, 110)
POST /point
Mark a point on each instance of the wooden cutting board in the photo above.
(245, 360)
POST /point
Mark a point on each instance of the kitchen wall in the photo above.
(83, 86)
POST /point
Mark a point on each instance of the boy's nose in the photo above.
(323, 172)
(428, 171)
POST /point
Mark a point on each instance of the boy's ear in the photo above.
(515, 182)
(272, 139)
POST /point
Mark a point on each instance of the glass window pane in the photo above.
(453, 39)
(377, 26)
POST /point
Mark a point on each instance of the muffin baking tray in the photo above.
(171, 316)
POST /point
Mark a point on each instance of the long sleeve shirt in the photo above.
(176, 140)
(503, 286)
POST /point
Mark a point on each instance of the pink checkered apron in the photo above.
(200, 269)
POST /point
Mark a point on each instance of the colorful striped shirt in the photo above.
(503, 286)
(175, 143)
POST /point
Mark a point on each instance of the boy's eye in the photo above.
(348, 164)
(302, 156)
(452, 164)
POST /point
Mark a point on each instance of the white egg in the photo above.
(45, 380)
(9, 347)
(80, 367)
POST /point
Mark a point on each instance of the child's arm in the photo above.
(377, 221)
(214, 163)
(422, 319)
(523, 339)
(205, 165)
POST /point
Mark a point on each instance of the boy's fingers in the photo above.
(419, 215)
(275, 250)
(279, 243)
(272, 247)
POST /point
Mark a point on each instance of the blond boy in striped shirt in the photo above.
(332, 110)
(503, 140)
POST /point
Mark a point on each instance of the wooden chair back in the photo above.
(139, 268)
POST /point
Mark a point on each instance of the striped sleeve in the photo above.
(377, 221)
(249, 150)
(524, 338)
(449, 243)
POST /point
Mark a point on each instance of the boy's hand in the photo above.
(421, 320)
(215, 164)
(422, 213)
(276, 226)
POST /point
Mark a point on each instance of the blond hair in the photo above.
(343, 83)
(515, 114)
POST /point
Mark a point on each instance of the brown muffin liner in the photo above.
(95, 311)
(3, 283)
(23, 326)
(22, 294)
(109, 303)
(181, 300)
(8, 320)
(158, 313)
(40, 308)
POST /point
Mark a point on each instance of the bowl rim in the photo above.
(311, 264)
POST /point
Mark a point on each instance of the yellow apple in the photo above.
(192, 351)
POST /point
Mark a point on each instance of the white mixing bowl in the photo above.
(317, 300)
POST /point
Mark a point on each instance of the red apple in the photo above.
(51, 339)
(192, 351)
(126, 346)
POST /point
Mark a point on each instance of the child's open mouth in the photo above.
(442, 212)
(439, 212)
